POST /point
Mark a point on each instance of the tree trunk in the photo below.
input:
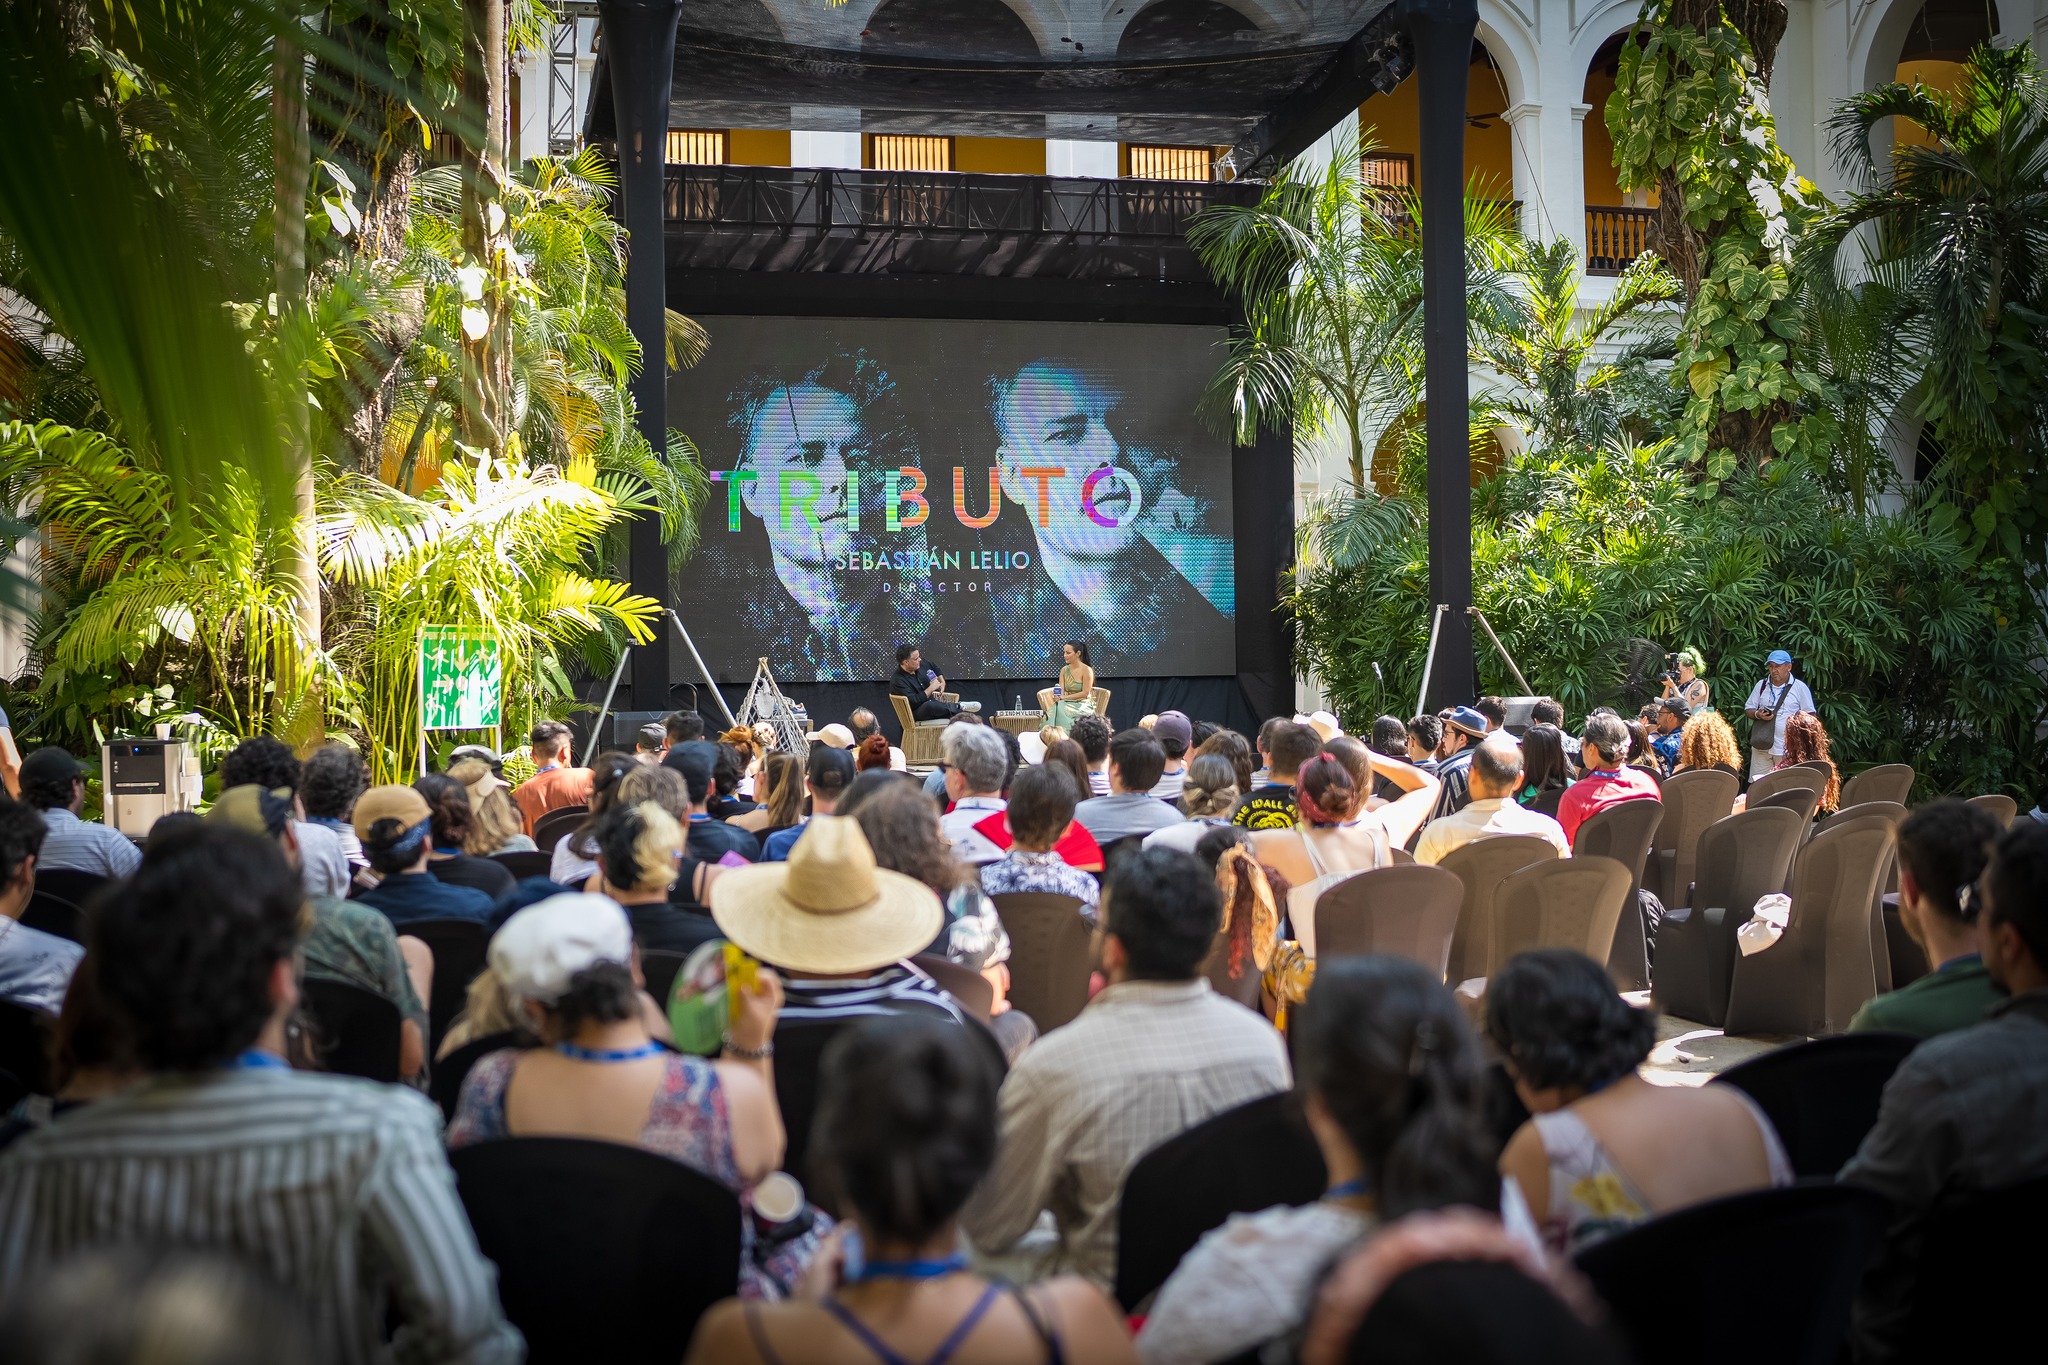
(486, 379)
(291, 165)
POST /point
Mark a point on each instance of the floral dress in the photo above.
(687, 1120)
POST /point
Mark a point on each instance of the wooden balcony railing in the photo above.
(1615, 235)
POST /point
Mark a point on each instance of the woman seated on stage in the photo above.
(1077, 681)
(1334, 835)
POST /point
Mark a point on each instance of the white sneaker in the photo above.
(970, 706)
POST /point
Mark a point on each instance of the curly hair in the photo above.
(1556, 1017)
(1707, 742)
(1806, 741)
(1234, 747)
(186, 947)
(262, 761)
(333, 776)
(902, 826)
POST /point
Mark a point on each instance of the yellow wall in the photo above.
(999, 155)
(1936, 75)
(1599, 145)
(757, 146)
(1393, 123)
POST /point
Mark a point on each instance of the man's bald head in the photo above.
(1496, 766)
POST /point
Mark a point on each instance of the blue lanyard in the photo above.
(591, 1054)
(1349, 1189)
(256, 1059)
(911, 1270)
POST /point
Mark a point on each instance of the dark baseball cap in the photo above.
(1173, 725)
(694, 760)
(49, 764)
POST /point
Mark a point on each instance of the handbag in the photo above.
(1763, 734)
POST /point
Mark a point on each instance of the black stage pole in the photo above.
(640, 44)
(1443, 31)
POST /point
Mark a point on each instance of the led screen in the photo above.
(986, 490)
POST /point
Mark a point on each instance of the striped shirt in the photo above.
(895, 989)
(76, 845)
(338, 1187)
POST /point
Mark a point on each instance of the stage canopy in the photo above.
(1263, 77)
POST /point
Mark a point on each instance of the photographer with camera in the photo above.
(1682, 679)
(1772, 702)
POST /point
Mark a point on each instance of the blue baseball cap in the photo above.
(1778, 656)
(1468, 720)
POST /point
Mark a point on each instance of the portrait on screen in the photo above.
(990, 490)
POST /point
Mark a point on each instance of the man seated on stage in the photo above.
(1135, 762)
(1608, 781)
(920, 684)
(1496, 772)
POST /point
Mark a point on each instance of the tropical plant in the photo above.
(1954, 286)
(1329, 273)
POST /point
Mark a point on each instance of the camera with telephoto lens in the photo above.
(1670, 673)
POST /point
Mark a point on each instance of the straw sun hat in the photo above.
(829, 909)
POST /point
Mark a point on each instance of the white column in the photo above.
(1072, 157)
(1525, 148)
(824, 135)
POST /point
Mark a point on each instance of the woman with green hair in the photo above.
(1686, 683)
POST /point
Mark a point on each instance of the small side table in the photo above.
(1020, 722)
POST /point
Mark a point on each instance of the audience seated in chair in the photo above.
(35, 967)
(1604, 752)
(1154, 1053)
(1494, 777)
(347, 941)
(1943, 848)
(269, 763)
(1605, 1149)
(1130, 810)
(1040, 810)
(905, 1131)
(454, 823)
(1967, 1112)
(337, 1186)
(639, 852)
(570, 963)
(1390, 1078)
(1334, 836)
(395, 825)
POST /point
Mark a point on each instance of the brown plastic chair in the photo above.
(920, 737)
(1802, 801)
(1780, 779)
(1482, 866)
(969, 988)
(1885, 782)
(1247, 988)
(549, 829)
(1623, 832)
(1692, 801)
(2003, 808)
(1401, 857)
(1880, 941)
(1409, 912)
(1741, 859)
(1822, 970)
(1049, 955)
(1573, 902)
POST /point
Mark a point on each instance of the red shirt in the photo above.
(1077, 847)
(549, 790)
(1598, 790)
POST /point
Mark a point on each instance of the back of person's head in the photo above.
(828, 771)
(872, 752)
(1638, 740)
(978, 754)
(449, 802)
(863, 722)
(1946, 845)
(1138, 759)
(1210, 788)
(682, 726)
(729, 767)
(1476, 1311)
(167, 827)
(1547, 711)
(1427, 731)
(870, 782)
(1544, 762)
(662, 785)
(495, 821)
(1163, 906)
(1390, 737)
(1609, 735)
(1494, 709)
(187, 947)
(571, 956)
(1092, 734)
(395, 825)
(638, 843)
(48, 778)
(1176, 735)
(21, 838)
(906, 1123)
(1235, 747)
(331, 779)
(1806, 741)
(902, 827)
(693, 762)
(1064, 753)
(1497, 762)
(264, 762)
(1707, 742)
(1324, 791)
(1384, 1048)
(650, 738)
(1202, 730)
(1356, 757)
(1556, 1017)
(1290, 745)
(2017, 886)
(112, 1305)
(547, 739)
(1041, 806)
(785, 783)
(1266, 731)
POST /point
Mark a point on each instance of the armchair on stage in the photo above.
(1099, 695)
(920, 737)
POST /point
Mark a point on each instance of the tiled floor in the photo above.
(1693, 1054)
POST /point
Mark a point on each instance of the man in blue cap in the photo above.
(1774, 700)
(1464, 726)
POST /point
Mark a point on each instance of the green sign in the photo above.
(462, 679)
